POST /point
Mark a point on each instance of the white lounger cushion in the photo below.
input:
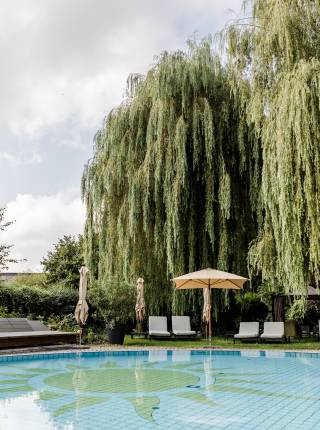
(158, 326)
(247, 330)
(181, 326)
(273, 330)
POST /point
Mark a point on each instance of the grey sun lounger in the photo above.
(19, 332)
(247, 331)
(273, 331)
(181, 327)
(158, 327)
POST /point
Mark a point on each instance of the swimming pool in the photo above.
(161, 389)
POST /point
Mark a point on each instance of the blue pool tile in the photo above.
(237, 390)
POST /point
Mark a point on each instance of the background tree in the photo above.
(62, 264)
(4, 248)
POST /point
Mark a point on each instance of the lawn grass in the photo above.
(221, 342)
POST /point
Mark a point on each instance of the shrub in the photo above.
(62, 322)
(114, 302)
(252, 308)
(31, 280)
(32, 301)
(4, 313)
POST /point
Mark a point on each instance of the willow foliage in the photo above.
(273, 60)
(202, 160)
(167, 190)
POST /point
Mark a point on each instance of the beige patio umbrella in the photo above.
(208, 279)
(82, 308)
(140, 303)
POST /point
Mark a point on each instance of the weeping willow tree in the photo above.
(170, 186)
(211, 165)
(274, 71)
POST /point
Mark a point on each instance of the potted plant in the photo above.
(115, 305)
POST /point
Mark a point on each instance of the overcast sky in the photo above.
(64, 65)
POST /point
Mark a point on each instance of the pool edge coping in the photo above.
(248, 352)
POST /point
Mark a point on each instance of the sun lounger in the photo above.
(273, 331)
(17, 332)
(305, 331)
(38, 326)
(158, 327)
(181, 327)
(247, 331)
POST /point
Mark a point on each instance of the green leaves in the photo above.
(114, 302)
(204, 165)
(36, 300)
(164, 186)
(4, 248)
(62, 264)
(276, 56)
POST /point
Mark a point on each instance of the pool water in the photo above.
(161, 390)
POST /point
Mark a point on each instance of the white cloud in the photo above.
(72, 58)
(73, 141)
(39, 222)
(20, 158)
(6, 156)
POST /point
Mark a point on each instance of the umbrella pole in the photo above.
(80, 334)
(209, 314)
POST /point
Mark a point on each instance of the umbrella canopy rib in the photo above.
(235, 286)
(188, 281)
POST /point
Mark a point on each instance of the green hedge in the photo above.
(29, 300)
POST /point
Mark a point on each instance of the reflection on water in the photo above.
(24, 413)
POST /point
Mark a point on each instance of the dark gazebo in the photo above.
(279, 301)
